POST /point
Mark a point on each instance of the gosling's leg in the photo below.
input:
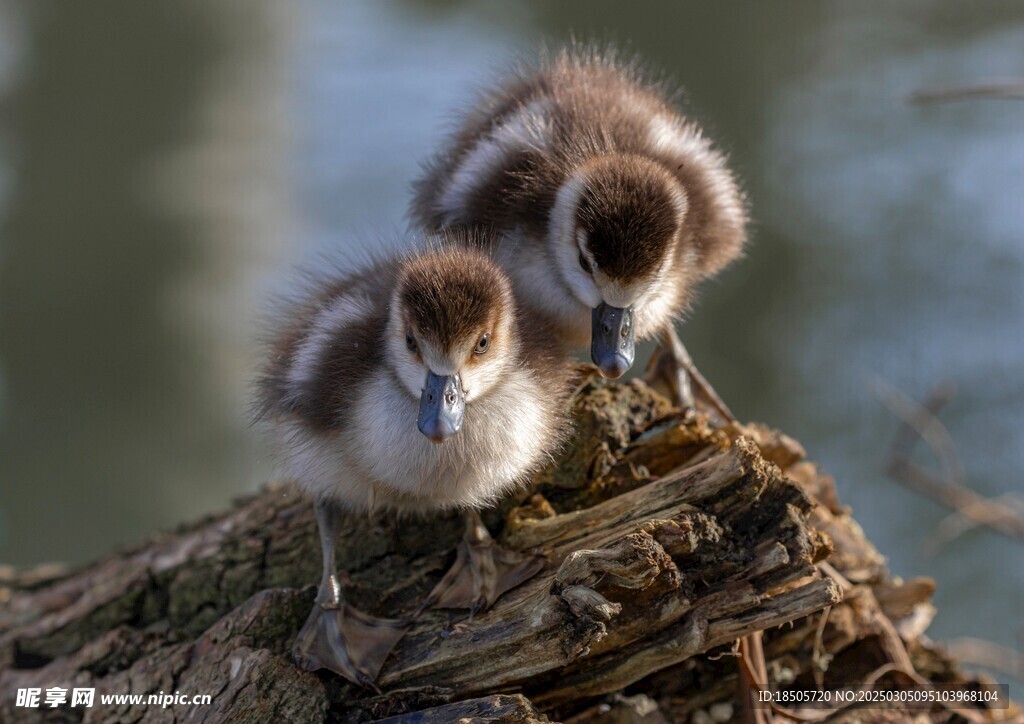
(336, 636)
(482, 571)
(671, 369)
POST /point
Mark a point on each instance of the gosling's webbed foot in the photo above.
(480, 574)
(671, 371)
(347, 641)
(668, 376)
(482, 571)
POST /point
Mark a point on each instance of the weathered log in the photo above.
(662, 541)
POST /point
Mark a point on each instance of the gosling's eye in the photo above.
(584, 264)
(410, 342)
(483, 345)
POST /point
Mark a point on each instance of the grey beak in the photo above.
(611, 340)
(441, 407)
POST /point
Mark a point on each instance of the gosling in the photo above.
(611, 205)
(416, 384)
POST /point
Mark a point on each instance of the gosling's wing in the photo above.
(327, 345)
(501, 144)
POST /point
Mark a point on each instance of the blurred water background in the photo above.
(162, 163)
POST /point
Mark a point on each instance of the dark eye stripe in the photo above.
(584, 264)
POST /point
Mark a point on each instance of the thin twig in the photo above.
(995, 90)
(819, 658)
(972, 516)
(987, 654)
(753, 679)
(921, 422)
(924, 422)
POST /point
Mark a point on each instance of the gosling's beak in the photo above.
(611, 341)
(441, 407)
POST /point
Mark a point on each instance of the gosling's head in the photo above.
(615, 227)
(451, 334)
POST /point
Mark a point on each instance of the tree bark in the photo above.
(664, 543)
